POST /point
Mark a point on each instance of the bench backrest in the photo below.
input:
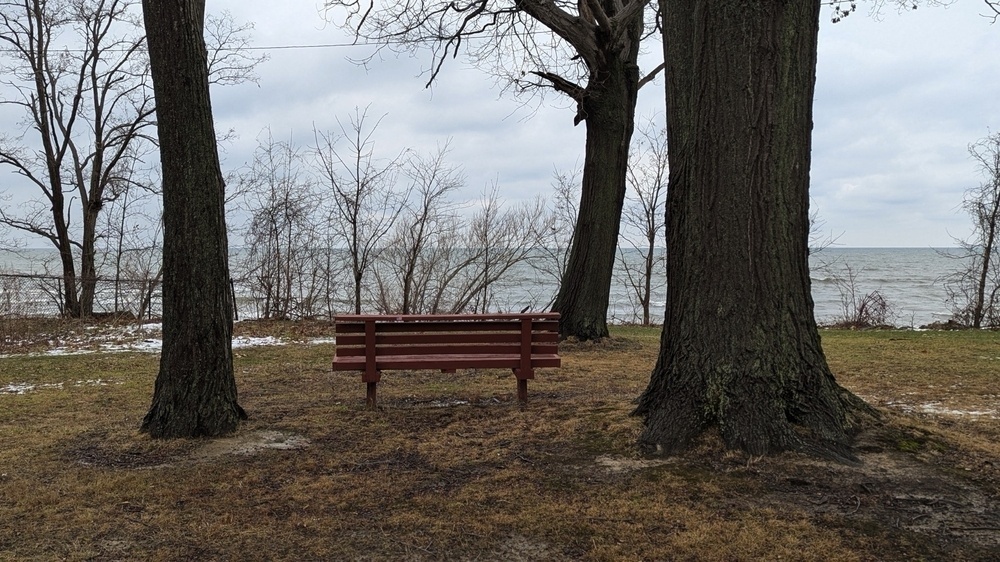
(466, 334)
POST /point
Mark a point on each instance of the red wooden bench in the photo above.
(375, 343)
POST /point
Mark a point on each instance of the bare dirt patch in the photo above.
(250, 443)
(99, 449)
(912, 488)
(616, 465)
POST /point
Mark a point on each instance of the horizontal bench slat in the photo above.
(351, 327)
(409, 318)
(381, 340)
(447, 349)
(457, 361)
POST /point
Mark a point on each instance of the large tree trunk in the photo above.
(740, 348)
(195, 392)
(88, 258)
(70, 301)
(608, 106)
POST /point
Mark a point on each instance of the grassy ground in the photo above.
(450, 468)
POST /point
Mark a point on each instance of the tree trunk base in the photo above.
(759, 418)
(171, 421)
(583, 329)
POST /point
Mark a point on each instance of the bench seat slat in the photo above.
(448, 349)
(453, 361)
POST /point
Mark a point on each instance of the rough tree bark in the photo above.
(195, 392)
(740, 349)
(608, 106)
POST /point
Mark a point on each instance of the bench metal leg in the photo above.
(371, 400)
(522, 391)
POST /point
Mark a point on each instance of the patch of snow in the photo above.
(144, 346)
(17, 388)
(24, 387)
(66, 351)
(243, 341)
(95, 382)
(448, 403)
(321, 341)
(140, 338)
(937, 409)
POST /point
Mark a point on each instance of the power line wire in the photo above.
(253, 48)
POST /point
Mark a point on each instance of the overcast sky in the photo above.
(898, 100)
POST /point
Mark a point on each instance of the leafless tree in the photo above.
(138, 267)
(88, 106)
(131, 240)
(643, 217)
(195, 390)
(552, 257)
(740, 353)
(414, 254)
(587, 50)
(496, 241)
(975, 289)
(282, 243)
(365, 202)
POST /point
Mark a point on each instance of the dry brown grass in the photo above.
(452, 469)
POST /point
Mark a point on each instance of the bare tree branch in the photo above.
(563, 85)
(230, 60)
(559, 37)
(995, 6)
(652, 75)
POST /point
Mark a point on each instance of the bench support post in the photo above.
(371, 375)
(525, 371)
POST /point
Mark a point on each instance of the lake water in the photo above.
(911, 279)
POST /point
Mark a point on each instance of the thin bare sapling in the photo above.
(365, 200)
(642, 252)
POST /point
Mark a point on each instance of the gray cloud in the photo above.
(897, 102)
